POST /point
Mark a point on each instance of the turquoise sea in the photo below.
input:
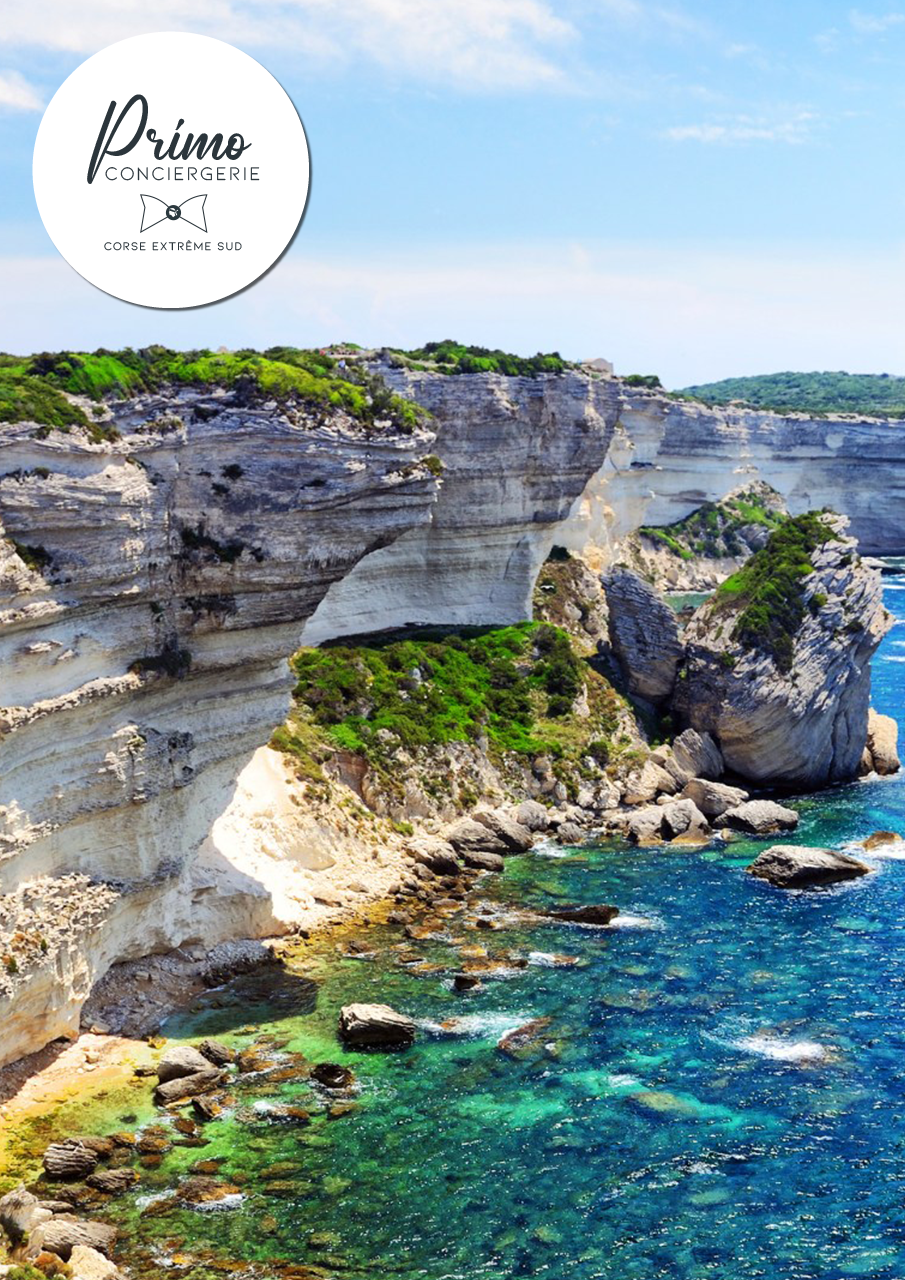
(719, 1090)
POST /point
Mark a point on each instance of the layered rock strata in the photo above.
(151, 589)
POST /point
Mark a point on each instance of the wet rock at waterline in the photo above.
(594, 914)
(882, 744)
(189, 1086)
(760, 817)
(375, 1026)
(799, 867)
(482, 860)
(181, 1060)
(64, 1161)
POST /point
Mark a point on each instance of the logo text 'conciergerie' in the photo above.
(176, 113)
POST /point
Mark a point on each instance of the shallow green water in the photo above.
(720, 1091)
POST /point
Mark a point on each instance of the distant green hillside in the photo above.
(865, 393)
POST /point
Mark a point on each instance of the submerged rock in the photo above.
(596, 914)
(799, 867)
(332, 1075)
(880, 839)
(760, 817)
(524, 1038)
(375, 1026)
(644, 634)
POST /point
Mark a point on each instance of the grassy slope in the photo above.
(876, 394)
(512, 687)
(767, 595)
(712, 530)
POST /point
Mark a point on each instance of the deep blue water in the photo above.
(720, 1091)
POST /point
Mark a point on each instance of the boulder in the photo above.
(198, 1082)
(69, 1159)
(64, 1232)
(760, 817)
(593, 914)
(533, 815)
(644, 634)
(216, 1053)
(713, 798)
(569, 833)
(21, 1213)
(437, 855)
(88, 1264)
(517, 838)
(882, 743)
(180, 1060)
(332, 1075)
(694, 755)
(798, 867)
(524, 1038)
(466, 835)
(881, 838)
(653, 780)
(481, 860)
(682, 817)
(375, 1026)
(785, 687)
(645, 826)
(113, 1182)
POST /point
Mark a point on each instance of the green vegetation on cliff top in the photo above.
(32, 388)
(451, 357)
(768, 594)
(873, 394)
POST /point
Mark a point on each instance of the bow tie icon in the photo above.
(155, 210)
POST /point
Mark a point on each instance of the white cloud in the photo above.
(689, 313)
(872, 24)
(794, 130)
(484, 44)
(16, 92)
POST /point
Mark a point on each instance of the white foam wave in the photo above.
(220, 1206)
(549, 960)
(780, 1050)
(625, 920)
(476, 1025)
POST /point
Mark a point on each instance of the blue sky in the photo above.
(695, 189)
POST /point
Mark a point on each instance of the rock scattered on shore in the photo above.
(375, 1026)
(760, 817)
(798, 867)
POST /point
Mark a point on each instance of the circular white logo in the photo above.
(171, 170)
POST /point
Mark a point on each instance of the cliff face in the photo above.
(151, 590)
(668, 457)
(783, 683)
(152, 587)
(517, 453)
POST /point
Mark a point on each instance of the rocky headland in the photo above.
(167, 547)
